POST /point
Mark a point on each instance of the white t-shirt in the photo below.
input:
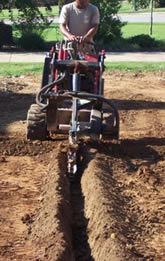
(79, 21)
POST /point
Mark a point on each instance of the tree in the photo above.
(63, 2)
(137, 4)
(159, 3)
(28, 11)
(29, 17)
(8, 4)
(110, 25)
(30, 21)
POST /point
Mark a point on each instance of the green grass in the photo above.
(52, 33)
(135, 66)
(54, 11)
(126, 7)
(12, 69)
(5, 14)
(132, 29)
(129, 30)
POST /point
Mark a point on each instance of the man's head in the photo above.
(81, 4)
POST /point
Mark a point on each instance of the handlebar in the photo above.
(84, 42)
(77, 41)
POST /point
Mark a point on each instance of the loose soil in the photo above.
(115, 211)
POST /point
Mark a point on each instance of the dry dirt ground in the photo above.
(117, 210)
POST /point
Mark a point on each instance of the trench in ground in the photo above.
(114, 210)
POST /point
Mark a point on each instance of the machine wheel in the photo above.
(36, 123)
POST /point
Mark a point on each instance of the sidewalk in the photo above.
(135, 57)
(110, 57)
(22, 57)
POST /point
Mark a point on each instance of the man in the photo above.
(79, 21)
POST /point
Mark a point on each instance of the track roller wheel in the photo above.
(36, 123)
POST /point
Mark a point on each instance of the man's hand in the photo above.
(72, 37)
(82, 39)
(67, 34)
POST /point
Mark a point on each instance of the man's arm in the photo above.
(66, 33)
(64, 16)
(89, 35)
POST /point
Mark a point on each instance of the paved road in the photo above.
(136, 18)
(143, 17)
(132, 18)
(112, 56)
(135, 56)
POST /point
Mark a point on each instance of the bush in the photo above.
(110, 25)
(31, 41)
(64, 2)
(46, 2)
(143, 40)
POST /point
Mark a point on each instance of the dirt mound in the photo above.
(124, 205)
(115, 210)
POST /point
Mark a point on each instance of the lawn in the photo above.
(135, 66)
(126, 7)
(52, 33)
(13, 69)
(132, 29)
(129, 30)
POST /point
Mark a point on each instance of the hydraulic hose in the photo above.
(47, 88)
